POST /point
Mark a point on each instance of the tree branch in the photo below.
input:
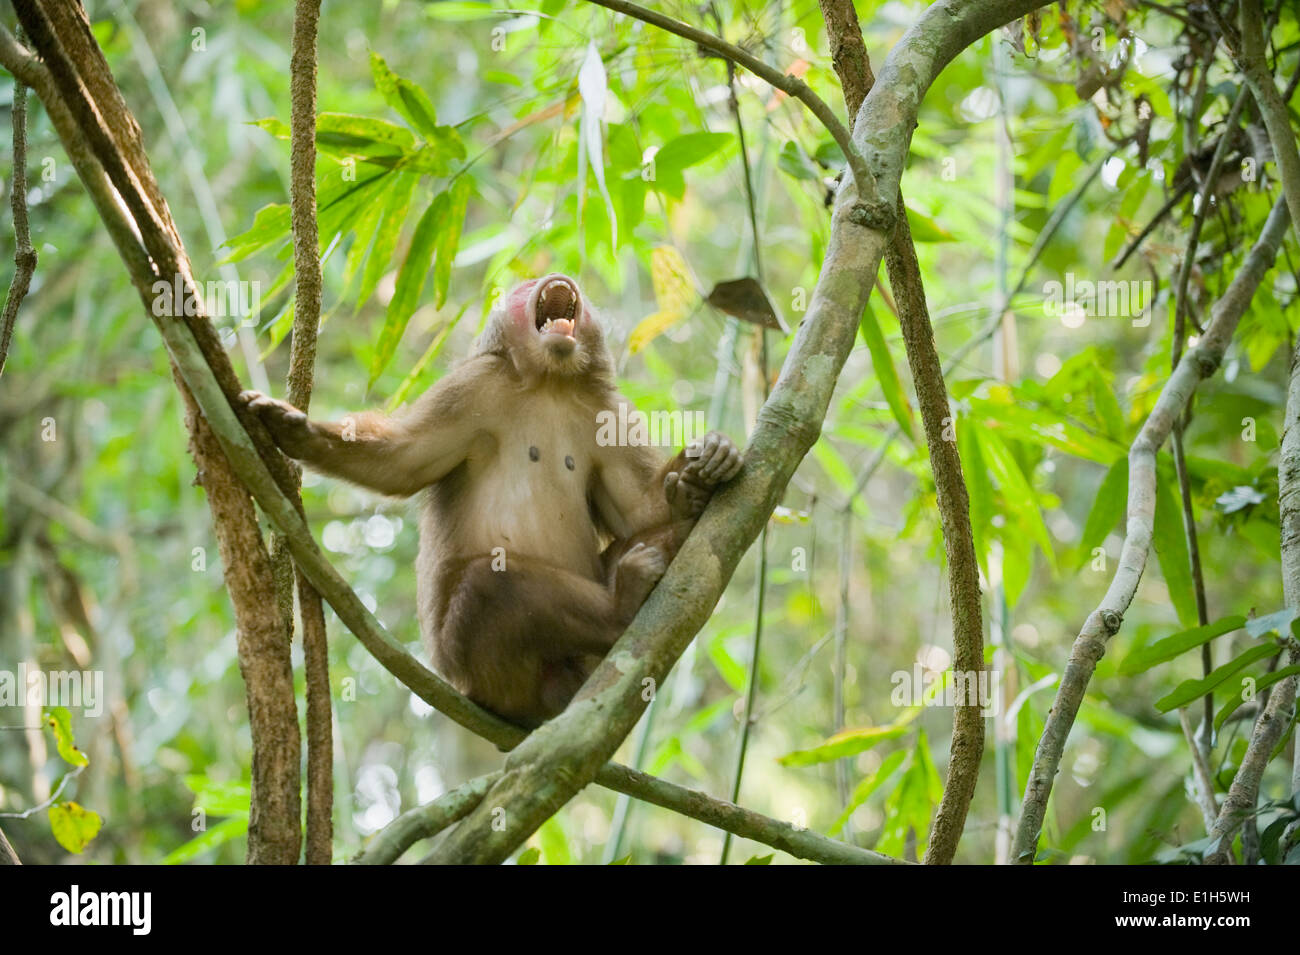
(848, 51)
(424, 822)
(1199, 363)
(24, 254)
(302, 368)
(7, 854)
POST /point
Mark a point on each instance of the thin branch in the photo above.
(967, 748)
(1200, 773)
(1208, 189)
(871, 210)
(1244, 791)
(302, 366)
(1277, 122)
(760, 583)
(1199, 363)
(1250, 56)
(24, 254)
(7, 854)
(424, 822)
(800, 842)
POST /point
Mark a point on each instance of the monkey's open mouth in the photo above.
(555, 306)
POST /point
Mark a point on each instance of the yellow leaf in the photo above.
(73, 825)
(650, 328)
(674, 290)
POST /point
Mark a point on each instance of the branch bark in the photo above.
(7, 854)
(849, 55)
(302, 369)
(424, 822)
(561, 757)
(1104, 622)
(24, 254)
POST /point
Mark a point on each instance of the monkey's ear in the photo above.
(493, 339)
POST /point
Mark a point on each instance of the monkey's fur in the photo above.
(537, 544)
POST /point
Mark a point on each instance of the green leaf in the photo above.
(1017, 494)
(1013, 418)
(729, 668)
(1107, 406)
(435, 348)
(862, 792)
(212, 838)
(346, 134)
(274, 126)
(449, 237)
(58, 719)
(366, 228)
(925, 229)
(760, 860)
(681, 153)
(73, 825)
(850, 742)
(1178, 643)
(230, 798)
(555, 844)
(791, 161)
(390, 229)
(1171, 548)
(270, 224)
(410, 283)
(1107, 509)
(529, 856)
(407, 99)
(1190, 690)
(1236, 699)
(883, 364)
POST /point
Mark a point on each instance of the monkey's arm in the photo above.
(637, 491)
(397, 456)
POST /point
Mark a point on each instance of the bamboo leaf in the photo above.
(883, 364)
(1190, 690)
(410, 283)
(1176, 644)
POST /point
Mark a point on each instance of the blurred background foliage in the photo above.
(458, 139)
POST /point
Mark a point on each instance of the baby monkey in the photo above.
(539, 538)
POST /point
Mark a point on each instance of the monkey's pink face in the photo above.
(550, 315)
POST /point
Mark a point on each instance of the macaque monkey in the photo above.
(538, 541)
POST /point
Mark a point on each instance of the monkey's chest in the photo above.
(532, 500)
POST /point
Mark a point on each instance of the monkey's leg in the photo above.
(521, 640)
